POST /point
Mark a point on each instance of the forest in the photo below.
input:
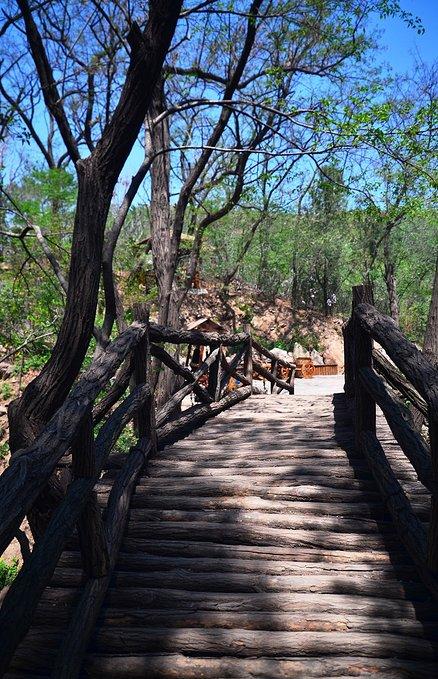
(292, 163)
(199, 199)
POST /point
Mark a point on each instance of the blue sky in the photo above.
(403, 44)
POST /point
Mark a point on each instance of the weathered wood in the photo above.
(365, 407)
(178, 666)
(230, 367)
(247, 362)
(272, 378)
(90, 527)
(239, 376)
(178, 369)
(410, 440)
(30, 469)
(194, 417)
(214, 376)
(410, 530)
(295, 521)
(166, 410)
(247, 643)
(274, 364)
(396, 378)
(432, 544)
(348, 336)
(115, 392)
(294, 602)
(332, 583)
(258, 535)
(22, 598)
(375, 510)
(69, 659)
(161, 334)
(287, 622)
(265, 352)
(234, 563)
(410, 360)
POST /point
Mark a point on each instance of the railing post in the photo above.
(145, 418)
(365, 406)
(361, 293)
(91, 533)
(214, 376)
(432, 551)
(247, 361)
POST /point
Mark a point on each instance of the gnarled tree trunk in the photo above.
(97, 177)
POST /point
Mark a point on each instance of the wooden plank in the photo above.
(247, 643)
(331, 583)
(177, 666)
(144, 562)
(257, 535)
(262, 518)
(254, 620)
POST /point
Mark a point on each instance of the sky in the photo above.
(402, 43)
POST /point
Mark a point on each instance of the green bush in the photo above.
(8, 572)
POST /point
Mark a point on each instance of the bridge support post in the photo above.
(145, 418)
(214, 376)
(362, 356)
(91, 533)
(432, 543)
(247, 361)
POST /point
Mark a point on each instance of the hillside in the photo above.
(274, 321)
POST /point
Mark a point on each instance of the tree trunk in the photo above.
(164, 259)
(97, 177)
(391, 283)
(430, 345)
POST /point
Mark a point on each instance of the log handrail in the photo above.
(69, 438)
(406, 356)
(397, 380)
(417, 380)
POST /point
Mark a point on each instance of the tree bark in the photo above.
(97, 177)
(391, 282)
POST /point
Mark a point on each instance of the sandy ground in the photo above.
(320, 385)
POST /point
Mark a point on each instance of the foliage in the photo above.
(8, 572)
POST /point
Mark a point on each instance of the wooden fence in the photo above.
(417, 381)
(69, 440)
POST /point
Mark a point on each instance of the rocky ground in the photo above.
(275, 321)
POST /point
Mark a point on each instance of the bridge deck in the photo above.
(256, 547)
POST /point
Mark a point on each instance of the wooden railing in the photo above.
(69, 439)
(417, 381)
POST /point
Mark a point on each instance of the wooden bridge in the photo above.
(286, 537)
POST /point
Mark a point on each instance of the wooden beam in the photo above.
(397, 380)
(30, 469)
(271, 378)
(23, 596)
(160, 334)
(272, 357)
(69, 658)
(409, 528)
(410, 440)
(365, 406)
(163, 356)
(410, 360)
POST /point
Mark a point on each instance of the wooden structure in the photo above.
(197, 353)
(417, 380)
(305, 368)
(274, 541)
